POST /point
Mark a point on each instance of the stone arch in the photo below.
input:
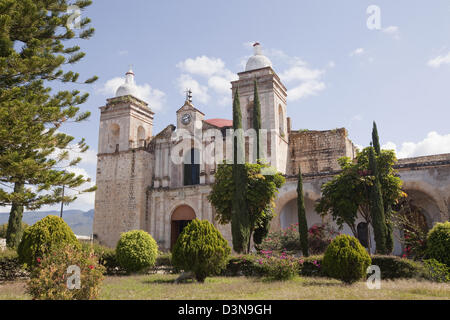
(114, 137)
(179, 219)
(287, 201)
(425, 197)
(141, 136)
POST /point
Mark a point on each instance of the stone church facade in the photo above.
(160, 182)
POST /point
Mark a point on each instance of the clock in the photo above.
(186, 118)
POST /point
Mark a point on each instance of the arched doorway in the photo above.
(180, 219)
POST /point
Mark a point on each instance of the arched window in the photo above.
(191, 167)
(280, 120)
(141, 136)
(114, 137)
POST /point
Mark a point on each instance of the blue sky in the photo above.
(338, 72)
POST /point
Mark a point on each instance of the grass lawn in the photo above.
(162, 287)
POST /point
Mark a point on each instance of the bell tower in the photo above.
(124, 167)
(272, 96)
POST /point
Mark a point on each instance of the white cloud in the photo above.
(302, 80)
(220, 85)
(434, 143)
(154, 97)
(357, 52)
(306, 89)
(392, 31)
(202, 66)
(439, 60)
(300, 72)
(199, 92)
(213, 70)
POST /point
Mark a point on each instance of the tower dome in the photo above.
(129, 87)
(258, 60)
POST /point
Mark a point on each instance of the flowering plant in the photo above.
(282, 267)
(50, 278)
(319, 237)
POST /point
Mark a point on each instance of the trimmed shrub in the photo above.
(393, 267)
(346, 259)
(136, 251)
(436, 271)
(201, 249)
(54, 276)
(42, 236)
(438, 243)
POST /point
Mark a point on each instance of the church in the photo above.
(158, 182)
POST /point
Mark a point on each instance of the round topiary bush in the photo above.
(136, 250)
(346, 259)
(438, 243)
(42, 237)
(201, 249)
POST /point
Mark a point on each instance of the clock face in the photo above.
(186, 118)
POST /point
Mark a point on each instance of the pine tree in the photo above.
(376, 207)
(33, 151)
(302, 223)
(240, 222)
(257, 121)
(387, 206)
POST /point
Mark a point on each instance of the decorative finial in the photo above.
(257, 48)
(130, 69)
(188, 95)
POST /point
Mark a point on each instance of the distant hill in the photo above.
(80, 221)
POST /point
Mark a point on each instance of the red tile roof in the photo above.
(220, 123)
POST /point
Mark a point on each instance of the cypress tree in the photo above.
(375, 139)
(257, 120)
(302, 223)
(240, 222)
(377, 208)
(387, 207)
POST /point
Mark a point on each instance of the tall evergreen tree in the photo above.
(375, 139)
(376, 207)
(257, 121)
(302, 222)
(32, 150)
(387, 207)
(240, 220)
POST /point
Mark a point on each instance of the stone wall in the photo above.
(318, 151)
(120, 200)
